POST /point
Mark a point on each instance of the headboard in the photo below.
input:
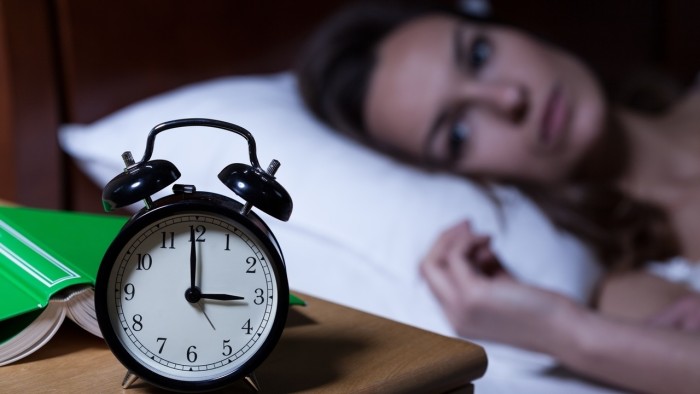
(78, 60)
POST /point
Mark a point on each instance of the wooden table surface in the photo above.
(324, 348)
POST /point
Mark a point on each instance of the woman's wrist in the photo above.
(583, 336)
(552, 327)
(567, 332)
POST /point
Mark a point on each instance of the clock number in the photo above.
(191, 355)
(259, 299)
(228, 238)
(137, 326)
(144, 261)
(200, 230)
(130, 291)
(172, 240)
(247, 328)
(162, 344)
(227, 348)
(251, 261)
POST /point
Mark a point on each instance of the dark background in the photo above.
(79, 60)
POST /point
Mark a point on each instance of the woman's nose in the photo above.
(508, 99)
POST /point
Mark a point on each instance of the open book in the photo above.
(48, 264)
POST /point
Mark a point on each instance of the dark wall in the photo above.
(617, 37)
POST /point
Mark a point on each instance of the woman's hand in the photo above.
(683, 314)
(482, 300)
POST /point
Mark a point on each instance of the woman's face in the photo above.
(481, 99)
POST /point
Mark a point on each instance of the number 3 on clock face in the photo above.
(193, 297)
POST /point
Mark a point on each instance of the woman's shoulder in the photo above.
(684, 114)
(688, 103)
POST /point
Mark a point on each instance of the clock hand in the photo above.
(193, 295)
(221, 297)
(201, 308)
(193, 259)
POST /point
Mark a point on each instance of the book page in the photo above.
(81, 309)
(29, 340)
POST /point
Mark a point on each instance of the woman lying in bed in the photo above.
(495, 104)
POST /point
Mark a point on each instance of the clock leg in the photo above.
(129, 379)
(253, 382)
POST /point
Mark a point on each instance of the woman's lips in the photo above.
(554, 118)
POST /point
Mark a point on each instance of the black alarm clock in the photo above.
(192, 294)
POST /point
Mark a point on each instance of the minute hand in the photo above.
(193, 258)
(221, 297)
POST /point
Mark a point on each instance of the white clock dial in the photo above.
(234, 308)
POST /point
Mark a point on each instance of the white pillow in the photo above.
(361, 221)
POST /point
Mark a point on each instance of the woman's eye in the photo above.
(458, 134)
(479, 52)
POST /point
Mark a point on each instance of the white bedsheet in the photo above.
(361, 221)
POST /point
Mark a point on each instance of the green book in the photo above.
(48, 264)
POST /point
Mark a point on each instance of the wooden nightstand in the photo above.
(325, 348)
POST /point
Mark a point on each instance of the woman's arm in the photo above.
(496, 307)
(635, 356)
(637, 295)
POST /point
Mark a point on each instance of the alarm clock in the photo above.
(192, 294)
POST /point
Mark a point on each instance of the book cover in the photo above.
(44, 255)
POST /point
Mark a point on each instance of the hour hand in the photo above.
(221, 297)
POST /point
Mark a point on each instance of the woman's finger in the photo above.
(433, 266)
(458, 257)
(443, 243)
(446, 267)
(667, 317)
(691, 323)
(486, 262)
(441, 283)
(683, 314)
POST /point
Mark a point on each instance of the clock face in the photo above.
(193, 297)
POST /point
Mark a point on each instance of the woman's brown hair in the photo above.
(333, 75)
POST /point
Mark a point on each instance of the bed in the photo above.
(74, 71)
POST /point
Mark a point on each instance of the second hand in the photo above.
(201, 308)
